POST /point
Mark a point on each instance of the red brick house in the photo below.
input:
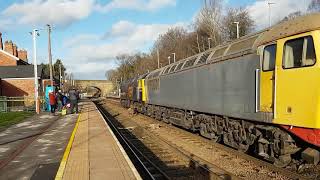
(16, 74)
(19, 80)
(10, 55)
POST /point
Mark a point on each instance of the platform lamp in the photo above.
(237, 23)
(209, 42)
(269, 6)
(174, 57)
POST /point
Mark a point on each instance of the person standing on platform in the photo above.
(73, 97)
(59, 100)
(53, 102)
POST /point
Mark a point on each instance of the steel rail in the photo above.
(214, 170)
(133, 149)
(285, 172)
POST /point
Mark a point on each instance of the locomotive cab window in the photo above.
(299, 53)
(269, 58)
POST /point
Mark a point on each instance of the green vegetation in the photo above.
(10, 118)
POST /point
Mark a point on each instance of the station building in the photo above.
(17, 81)
(16, 74)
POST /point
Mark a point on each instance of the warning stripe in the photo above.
(64, 160)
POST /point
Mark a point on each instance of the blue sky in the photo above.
(88, 34)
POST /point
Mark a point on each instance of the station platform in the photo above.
(93, 152)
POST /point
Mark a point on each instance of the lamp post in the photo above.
(158, 57)
(174, 57)
(209, 42)
(35, 33)
(269, 5)
(237, 23)
(50, 55)
(169, 59)
(60, 76)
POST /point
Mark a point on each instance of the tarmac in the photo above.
(33, 148)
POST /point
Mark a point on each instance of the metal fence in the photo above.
(9, 104)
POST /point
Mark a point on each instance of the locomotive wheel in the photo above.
(283, 161)
(164, 118)
(216, 138)
(243, 147)
(212, 136)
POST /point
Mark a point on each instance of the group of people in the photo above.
(69, 101)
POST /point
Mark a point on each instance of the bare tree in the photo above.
(176, 40)
(241, 15)
(314, 6)
(292, 16)
(208, 23)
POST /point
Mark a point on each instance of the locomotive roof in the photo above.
(246, 44)
(289, 28)
(242, 46)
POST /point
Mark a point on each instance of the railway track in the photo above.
(156, 158)
(192, 141)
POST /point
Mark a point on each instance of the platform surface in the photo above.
(95, 152)
(38, 143)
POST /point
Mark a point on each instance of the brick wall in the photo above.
(23, 55)
(15, 50)
(1, 44)
(8, 47)
(17, 87)
(6, 60)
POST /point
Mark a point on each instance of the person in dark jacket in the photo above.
(65, 100)
(74, 97)
(59, 100)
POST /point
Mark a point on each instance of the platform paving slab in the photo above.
(41, 158)
(95, 153)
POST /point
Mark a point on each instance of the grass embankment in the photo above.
(10, 118)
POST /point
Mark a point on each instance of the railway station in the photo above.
(154, 89)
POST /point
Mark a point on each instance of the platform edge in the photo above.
(132, 167)
(65, 157)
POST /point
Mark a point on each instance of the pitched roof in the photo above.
(22, 71)
(8, 54)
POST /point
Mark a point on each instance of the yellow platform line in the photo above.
(64, 160)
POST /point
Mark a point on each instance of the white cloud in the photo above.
(65, 12)
(120, 29)
(57, 12)
(81, 38)
(141, 5)
(91, 70)
(259, 10)
(124, 37)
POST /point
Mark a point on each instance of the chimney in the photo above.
(23, 55)
(8, 47)
(1, 44)
(15, 50)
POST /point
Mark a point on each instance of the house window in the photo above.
(299, 53)
(269, 57)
